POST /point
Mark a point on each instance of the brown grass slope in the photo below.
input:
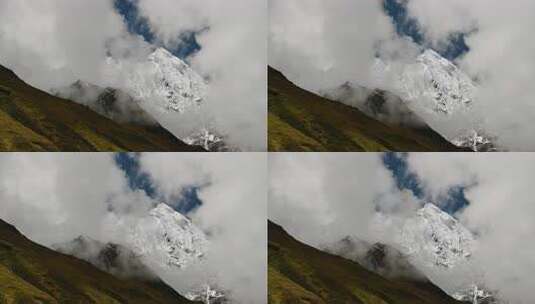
(32, 120)
(30, 273)
(302, 274)
(302, 121)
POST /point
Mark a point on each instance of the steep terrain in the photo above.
(442, 95)
(114, 104)
(162, 242)
(166, 85)
(444, 88)
(380, 258)
(32, 120)
(30, 273)
(166, 81)
(165, 239)
(438, 244)
(435, 238)
(112, 258)
(302, 121)
(302, 274)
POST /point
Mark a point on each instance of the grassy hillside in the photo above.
(32, 120)
(302, 274)
(302, 121)
(30, 273)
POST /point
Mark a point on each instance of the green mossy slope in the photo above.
(30, 273)
(32, 120)
(302, 274)
(302, 121)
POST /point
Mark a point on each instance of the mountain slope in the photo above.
(443, 95)
(32, 120)
(302, 274)
(167, 81)
(302, 121)
(166, 239)
(442, 86)
(30, 273)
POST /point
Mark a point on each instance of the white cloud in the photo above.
(59, 38)
(320, 197)
(233, 212)
(54, 198)
(501, 211)
(41, 193)
(322, 44)
(53, 44)
(233, 57)
(500, 56)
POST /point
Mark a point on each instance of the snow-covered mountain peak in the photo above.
(170, 90)
(431, 57)
(163, 56)
(477, 140)
(476, 295)
(165, 211)
(207, 295)
(441, 248)
(173, 81)
(171, 220)
(433, 214)
(434, 237)
(162, 81)
(438, 82)
(432, 82)
(441, 94)
(167, 238)
(209, 140)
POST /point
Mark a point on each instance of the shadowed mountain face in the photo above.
(112, 258)
(114, 104)
(30, 273)
(302, 121)
(379, 258)
(299, 273)
(33, 120)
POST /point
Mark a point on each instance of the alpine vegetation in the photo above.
(437, 220)
(185, 71)
(459, 66)
(146, 218)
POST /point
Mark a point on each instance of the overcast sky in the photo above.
(320, 198)
(54, 198)
(53, 43)
(322, 44)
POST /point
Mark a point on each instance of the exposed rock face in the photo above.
(436, 88)
(441, 86)
(166, 238)
(167, 81)
(112, 103)
(436, 238)
(112, 258)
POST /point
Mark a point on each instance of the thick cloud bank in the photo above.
(501, 212)
(321, 44)
(325, 197)
(320, 198)
(54, 198)
(55, 43)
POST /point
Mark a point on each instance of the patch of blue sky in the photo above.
(139, 25)
(452, 202)
(407, 26)
(186, 202)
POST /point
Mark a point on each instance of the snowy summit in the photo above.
(169, 81)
